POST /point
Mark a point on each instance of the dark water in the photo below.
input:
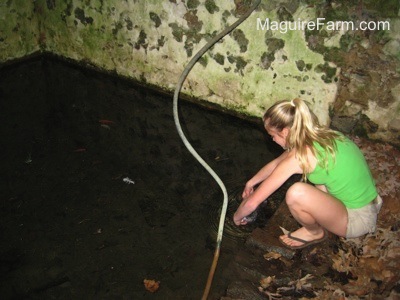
(71, 228)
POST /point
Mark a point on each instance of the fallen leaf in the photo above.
(266, 281)
(272, 255)
(151, 285)
(106, 122)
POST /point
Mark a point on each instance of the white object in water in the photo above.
(251, 217)
(128, 180)
(28, 160)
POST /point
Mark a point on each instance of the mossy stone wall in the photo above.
(152, 41)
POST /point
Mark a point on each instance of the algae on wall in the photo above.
(255, 65)
(152, 41)
(19, 31)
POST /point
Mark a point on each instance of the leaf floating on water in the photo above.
(151, 285)
(106, 122)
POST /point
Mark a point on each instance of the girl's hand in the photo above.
(248, 190)
(242, 221)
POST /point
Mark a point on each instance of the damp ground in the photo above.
(98, 193)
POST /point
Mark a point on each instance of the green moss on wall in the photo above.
(152, 43)
(141, 42)
(129, 23)
(193, 21)
(177, 31)
(51, 4)
(65, 13)
(192, 34)
(240, 38)
(192, 4)
(211, 6)
(266, 60)
(20, 34)
(80, 15)
(161, 41)
(300, 65)
(242, 6)
(284, 14)
(117, 27)
(155, 18)
(239, 61)
(219, 58)
(274, 44)
(203, 61)
(385, 8)
(329, 73)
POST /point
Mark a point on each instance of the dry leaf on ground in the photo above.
(151, 285)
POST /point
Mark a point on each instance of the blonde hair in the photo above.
(305, 130)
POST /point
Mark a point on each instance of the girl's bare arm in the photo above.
(262, 174)
(285, 168)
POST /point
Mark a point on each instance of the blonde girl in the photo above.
(341, 198)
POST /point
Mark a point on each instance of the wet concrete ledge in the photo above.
(267, 238)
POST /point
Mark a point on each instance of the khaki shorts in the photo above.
(363, 220)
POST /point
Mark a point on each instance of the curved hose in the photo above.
(193, 151)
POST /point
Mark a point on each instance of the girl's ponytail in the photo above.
(304, 124)
(305, 130)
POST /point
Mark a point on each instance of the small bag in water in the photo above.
(251, 217)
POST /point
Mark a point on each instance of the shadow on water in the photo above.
(72, 228)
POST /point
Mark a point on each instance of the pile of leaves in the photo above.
(384, 161)
(373, 261)
(370, 264)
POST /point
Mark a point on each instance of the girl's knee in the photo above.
(296, 192)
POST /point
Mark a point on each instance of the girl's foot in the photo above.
(302, 238)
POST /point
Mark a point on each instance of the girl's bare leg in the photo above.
(315, 210)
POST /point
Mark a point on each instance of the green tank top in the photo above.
(348, 177)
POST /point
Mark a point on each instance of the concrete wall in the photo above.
(19, 30)
(152, 41)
